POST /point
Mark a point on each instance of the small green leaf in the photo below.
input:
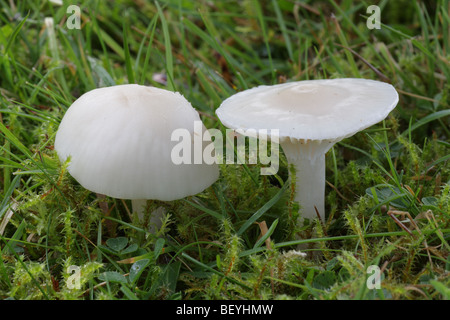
(324, 280)
(137, 268)
(430, 201)
(130, 249)
(394, 196)
(171, 275)
(106, 249)
(117, 244)
(159, 245)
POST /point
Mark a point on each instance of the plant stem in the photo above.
(138, 206)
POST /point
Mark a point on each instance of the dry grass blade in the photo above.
(7, 217)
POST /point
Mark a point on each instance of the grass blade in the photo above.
(168, 48)
(126, 50)
(15, 33)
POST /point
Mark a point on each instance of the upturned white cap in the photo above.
(315, 110)
(119, 142)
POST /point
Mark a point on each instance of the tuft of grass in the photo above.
(388, 188)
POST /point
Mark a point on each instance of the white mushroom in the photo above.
(311, 117)
(119, 142)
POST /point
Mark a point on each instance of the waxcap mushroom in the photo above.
(311, 116)
(118, 139)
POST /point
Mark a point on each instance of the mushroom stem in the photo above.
(138, 206)
(155, 223)
(308, 158)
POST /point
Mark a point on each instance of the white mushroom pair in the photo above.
(119, 138)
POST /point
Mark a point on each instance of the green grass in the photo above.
(211, 245)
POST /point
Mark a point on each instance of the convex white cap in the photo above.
(119, 142)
